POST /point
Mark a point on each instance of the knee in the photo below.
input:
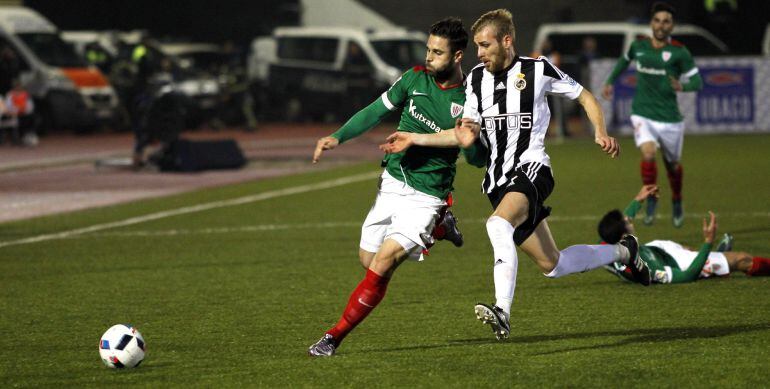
(648, 152)
(648, 155)
(383, 265)
(365, 258)
(671, 165)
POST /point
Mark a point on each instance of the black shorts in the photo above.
(535, 181)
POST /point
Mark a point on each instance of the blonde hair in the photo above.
(501, 19)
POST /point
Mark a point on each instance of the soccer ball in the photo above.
(121, 346)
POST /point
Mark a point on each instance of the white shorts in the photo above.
(716, 264)
(667, 136)
(403, 214)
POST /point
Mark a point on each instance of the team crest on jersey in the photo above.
(520, 82)
(666, 56)
(455, 110)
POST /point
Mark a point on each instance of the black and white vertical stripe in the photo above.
(496, 99)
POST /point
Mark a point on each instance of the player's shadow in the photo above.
(631, 336)
(650, 335)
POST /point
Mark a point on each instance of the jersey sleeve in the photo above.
(621, 65)
(471, 108)
(476, 155)
(559, 83)
(632, 208)
(690, 72)
(693, 271)
(396, 95)
(364, 120)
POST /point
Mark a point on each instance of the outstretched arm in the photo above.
(364, 120)
(693, 271)
(402, 140)
(463, 135)
(635, 204)
(594, 111)
(620, 66)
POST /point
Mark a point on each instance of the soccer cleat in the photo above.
(495, 317)
(652, 204)
(726, 244)
(452, 233)
(677, 213)
(639, 268)
(323, 348)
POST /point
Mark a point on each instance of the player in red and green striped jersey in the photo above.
(660, 63)
(670, 262)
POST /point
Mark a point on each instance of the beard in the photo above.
(660, 35)
(442, 74)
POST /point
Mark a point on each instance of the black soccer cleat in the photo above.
(325, 347)
(495, 317)
(639, 268)
(451, 232)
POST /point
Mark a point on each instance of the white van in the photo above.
(69, 93)
(315, 72)
(613, 39)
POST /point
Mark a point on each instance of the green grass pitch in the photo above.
(233, 296)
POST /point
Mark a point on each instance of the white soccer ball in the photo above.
(122, 346)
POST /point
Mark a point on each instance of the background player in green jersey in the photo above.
(415, 184)
(670, 262)
(655, 116)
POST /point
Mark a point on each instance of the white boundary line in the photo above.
(343, 224)
(197, 208)
(266, 196)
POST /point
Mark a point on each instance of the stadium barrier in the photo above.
(735, 97)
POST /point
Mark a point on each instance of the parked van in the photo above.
(68, 92)
(329, 73)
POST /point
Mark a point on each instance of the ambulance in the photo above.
(68, 92)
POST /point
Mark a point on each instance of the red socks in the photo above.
(650, 176)
(365, 297)
(759, 267)
(649, 173)
(675, 179)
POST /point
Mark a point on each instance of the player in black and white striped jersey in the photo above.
(506, 111)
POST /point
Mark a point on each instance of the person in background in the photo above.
(20, 105)
(660, 62)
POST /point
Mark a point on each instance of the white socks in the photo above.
(506, 261)
(580, 258)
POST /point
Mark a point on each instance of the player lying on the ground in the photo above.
(507, 111)
(670, 262)
(416, 184)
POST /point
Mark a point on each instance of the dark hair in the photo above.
(661, 6)
(453, 30)
(612, 227)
